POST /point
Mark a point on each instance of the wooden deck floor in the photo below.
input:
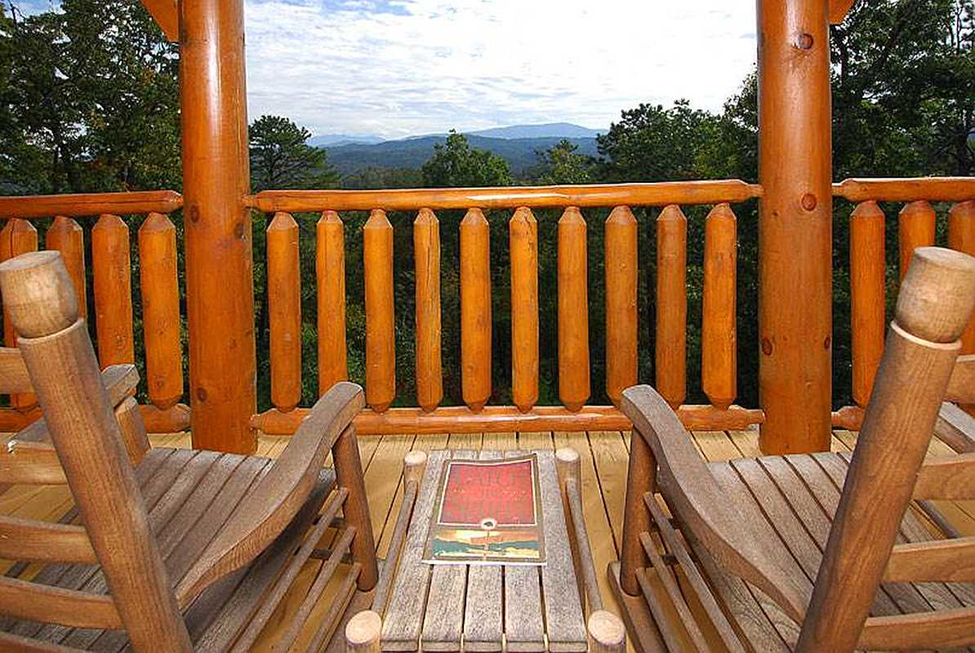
(604, 461)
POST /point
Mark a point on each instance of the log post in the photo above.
(795, 225)
(219, 263)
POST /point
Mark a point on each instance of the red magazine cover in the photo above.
(489, 512)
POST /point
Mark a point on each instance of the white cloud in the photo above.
(401, 67)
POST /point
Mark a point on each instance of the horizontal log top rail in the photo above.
(534, 197)
(907, 189)
(90, 204)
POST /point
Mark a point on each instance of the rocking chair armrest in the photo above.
(733, 533)
(120, 382)
(267, 509)
(955, 427)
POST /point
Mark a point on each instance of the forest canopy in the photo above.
(89, 102)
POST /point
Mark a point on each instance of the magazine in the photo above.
(487, 512)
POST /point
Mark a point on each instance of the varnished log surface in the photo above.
(604, 459)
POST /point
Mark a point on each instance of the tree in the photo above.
(652, 143)
(455, 164)
(560, 164)
(281, 157)
(90, 100)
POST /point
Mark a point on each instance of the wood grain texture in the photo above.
(670, 347)
(166, 15)
(66, 236)
(795, 226)
(933, 308)
(89, 445)
(867, 296)
(719, 339)
(112, 272)
(348, 471)
(21, 237)
(523, 247)
(330, 279)
(272, 504)
(564, 622)
(507, 197)
(508, 419)
(28, 539)
(284, 310)
(932, 189)
(404, 616)
(733, 534)
(573, 298)
(377, 252)
(961, 237)
(475, 309)
(426, 253)
(946, 478)
(218, 246)
(88, 204)
(915, 228)
(956, 428)
(160, 310)
(620, 244)
(13, 372)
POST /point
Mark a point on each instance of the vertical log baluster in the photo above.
(21, 238)
(112, 269)
(671, 346)
(523, 235)
(867, 295)
(377, 235)
(475, 309)
(330, 273)
(426, 251)
(573, 310)
(284, 311)
(915, 229)
(621, 298)
(719, 339)
(66, 236)
(961, 237)
(160, 310)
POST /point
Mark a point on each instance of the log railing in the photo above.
(916, 222)
(110, 287)
(719, 367)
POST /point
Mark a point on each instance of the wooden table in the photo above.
(486, 607)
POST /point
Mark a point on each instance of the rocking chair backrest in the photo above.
(53, 340)
(934, 306)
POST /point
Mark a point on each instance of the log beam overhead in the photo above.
(838, 9)
(795, 225)
(166, 14)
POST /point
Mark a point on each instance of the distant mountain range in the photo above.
(519, 145)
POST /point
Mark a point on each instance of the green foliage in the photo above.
(89, 100)
(562, 164)
(280, 157)
(455, 163)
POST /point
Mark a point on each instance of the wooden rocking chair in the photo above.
(172, 549)
(822, 552)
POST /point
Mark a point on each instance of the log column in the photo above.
(795, 224)
(219, 273)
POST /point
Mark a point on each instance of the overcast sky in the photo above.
(406, 67)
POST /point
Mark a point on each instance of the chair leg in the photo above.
(640, 479)
(348, 472)
(362, 633)
(606, 633)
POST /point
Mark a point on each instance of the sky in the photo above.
(394, 68)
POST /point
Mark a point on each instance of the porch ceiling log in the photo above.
(838, 9)
(166, 14)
